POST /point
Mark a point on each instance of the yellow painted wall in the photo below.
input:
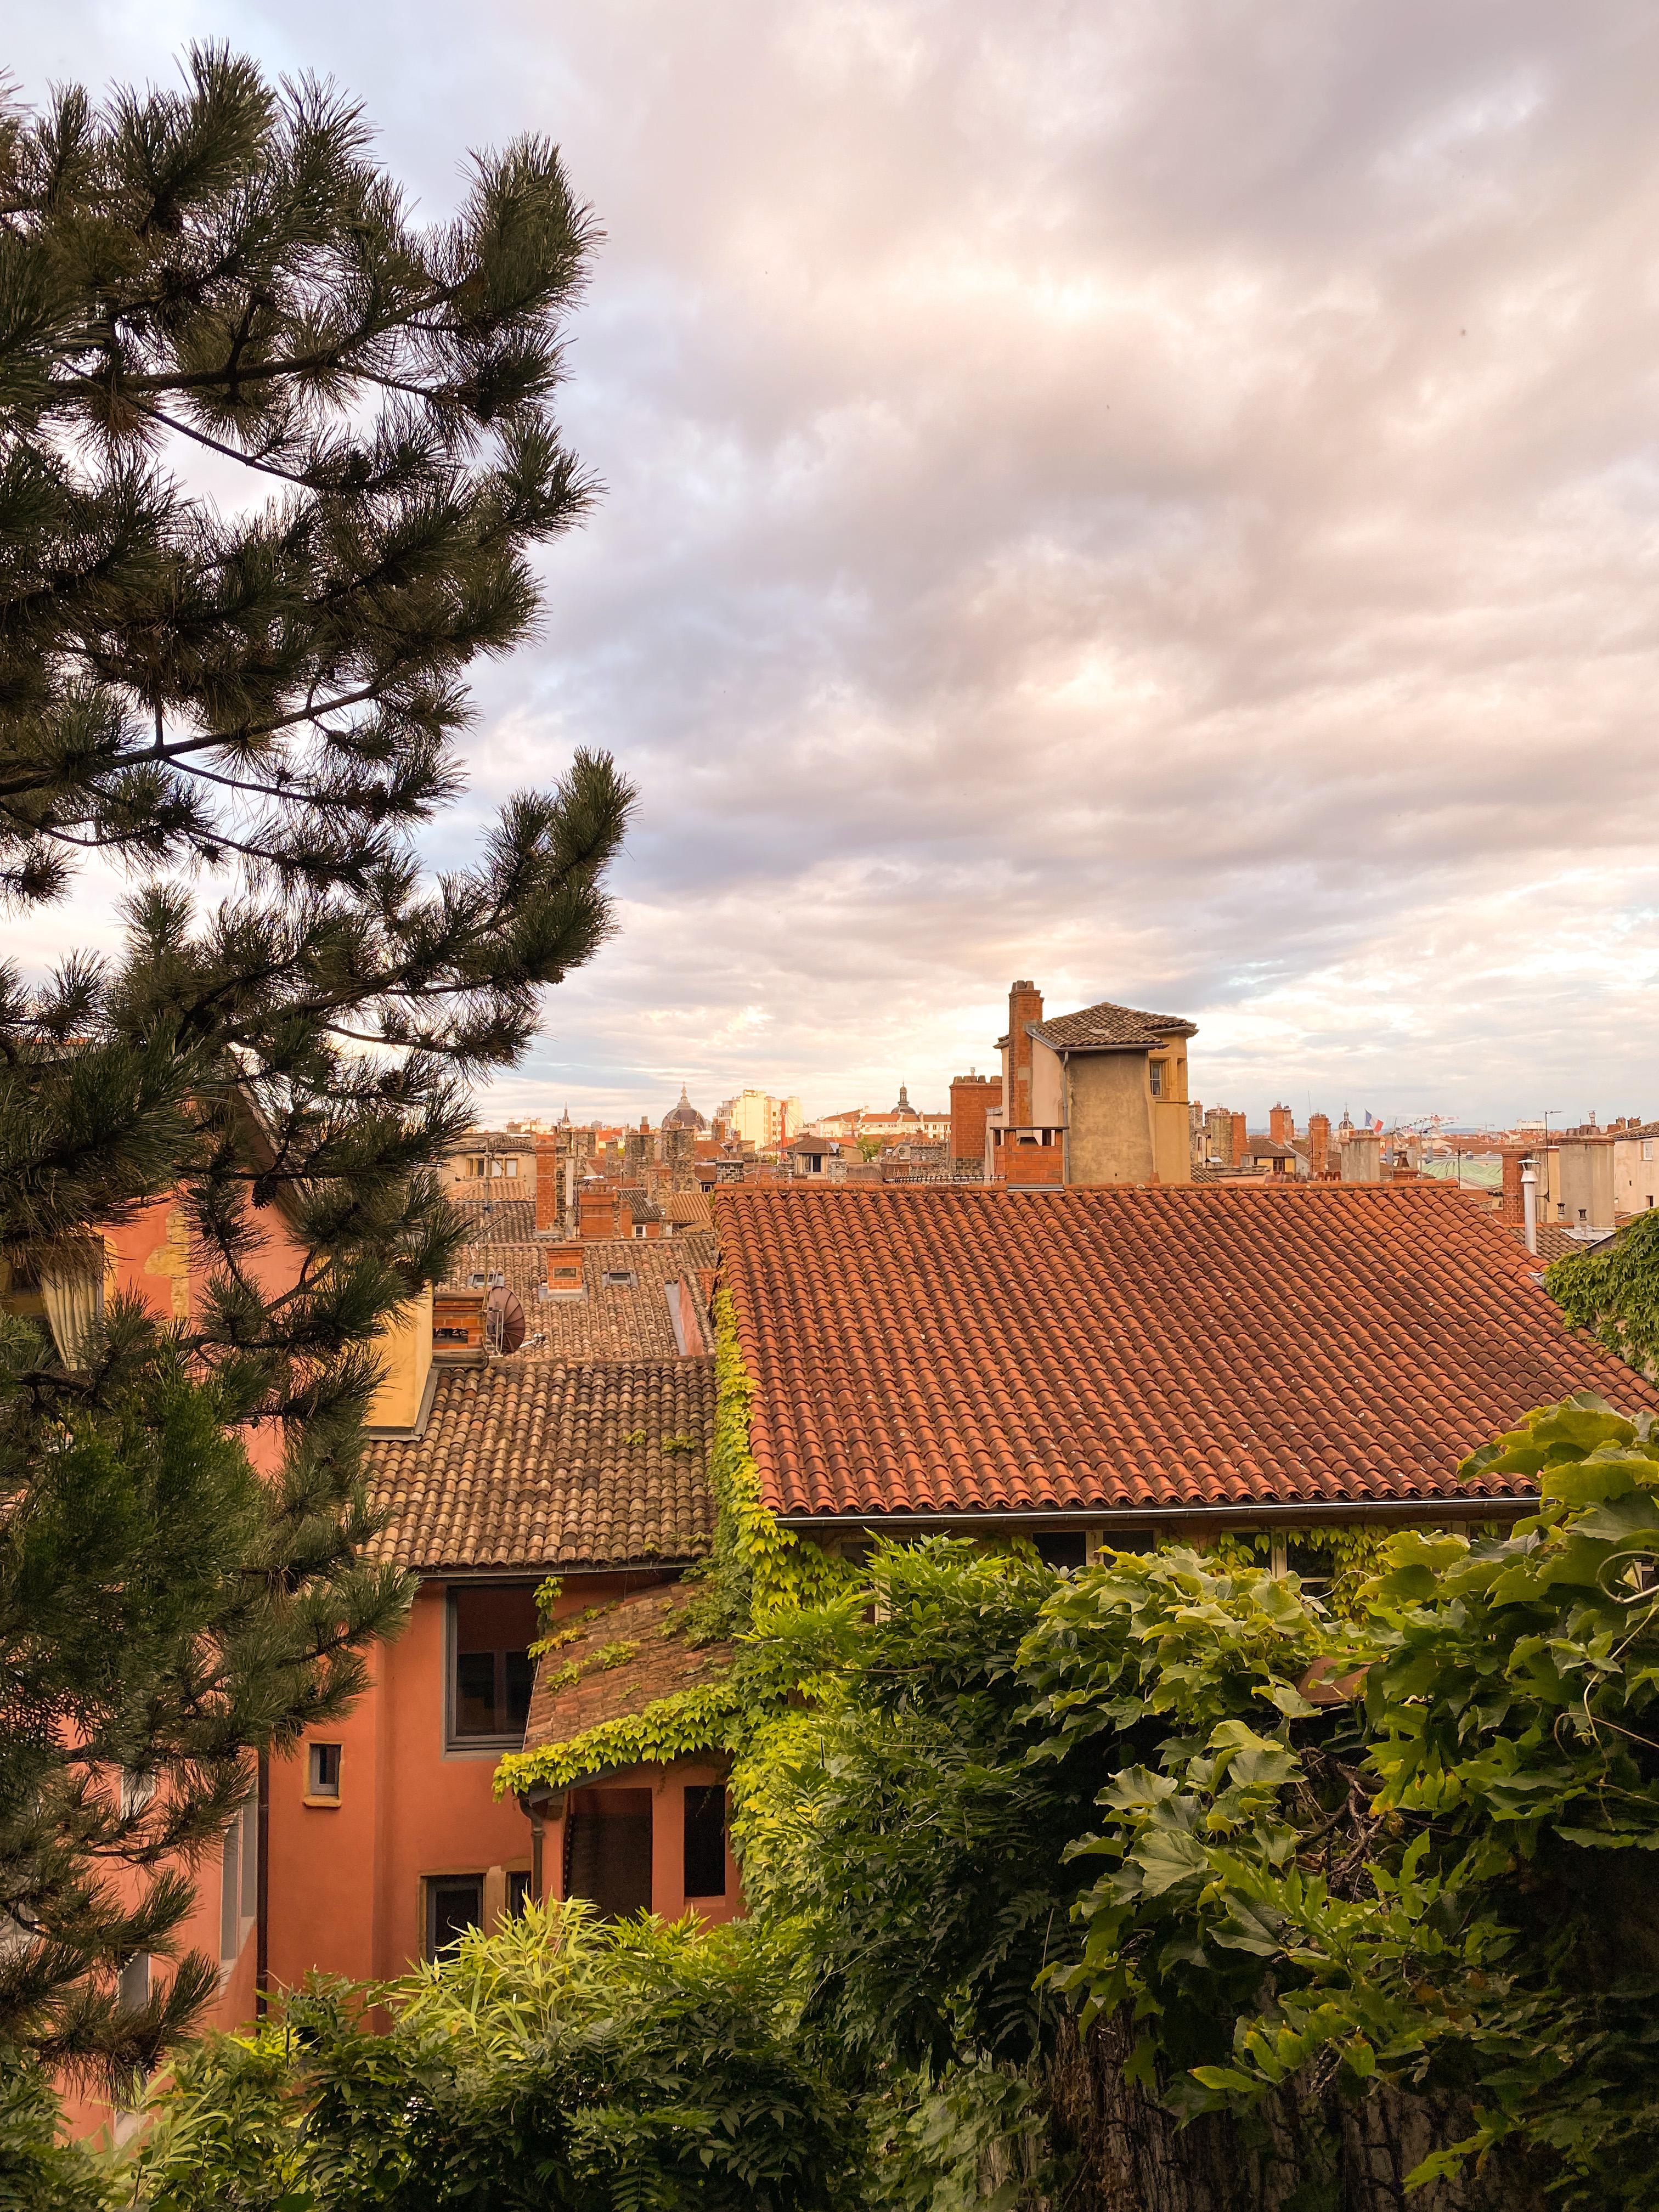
(404, 1351)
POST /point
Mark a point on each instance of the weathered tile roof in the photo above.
(1226, 1345)
(613, 1320)
(1108, 1027)
(622, 1681)
(687, 1209)
(497, 1220)
(537, 1464)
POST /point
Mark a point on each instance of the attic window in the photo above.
(476, 1282)
(623, 1278)
(497, 1280)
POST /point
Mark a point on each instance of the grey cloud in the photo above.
(1157, 497)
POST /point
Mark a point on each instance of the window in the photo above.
(1647, 1148)
(510, 1167)
(137, 1791)
(239, 1881)
(1065, 1550)
(491, 1630)
(705, 1840)
(132, 1989)
(230, 1895)
(323, 1772)
(621, 1278)
(475, 1166)
(1155, 1070)
(497, 1279)
(518, 1891)
(455, 1903)
(607, 1849)
(476, 1282)
(494, 1167)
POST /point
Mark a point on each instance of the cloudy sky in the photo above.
(1159, 498)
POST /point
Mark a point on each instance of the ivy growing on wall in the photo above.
(756, 1574)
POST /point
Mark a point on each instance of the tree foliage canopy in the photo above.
(274, 461)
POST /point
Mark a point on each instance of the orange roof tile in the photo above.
(944, 1349)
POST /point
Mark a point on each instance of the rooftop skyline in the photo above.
(1161, 499)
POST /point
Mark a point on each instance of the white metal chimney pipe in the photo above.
(1529, 1204)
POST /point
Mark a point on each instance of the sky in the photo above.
(1161, 499)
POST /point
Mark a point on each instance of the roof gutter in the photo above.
(1311, 1513)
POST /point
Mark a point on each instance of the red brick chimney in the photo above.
(1281, 1124)
(1511, 1208)
(1318, 1143)
(1024, 1005)
(547, 1178)
(1241, 1140)
(596, 1209)
(971, 1096)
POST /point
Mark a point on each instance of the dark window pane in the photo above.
(455, 1903)
(1063, 1549)
(521, 1674)
(474, 1693)
(607, 1849)
(517, 1889)
(493, 1628)
(705, 1840)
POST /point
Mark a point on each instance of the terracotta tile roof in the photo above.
(661, 1662)
(613, 1320)
(1107, 1028)
(1225, 1344)
(539, 1464)
(497, 1220)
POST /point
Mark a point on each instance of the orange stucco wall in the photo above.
(346, 1892)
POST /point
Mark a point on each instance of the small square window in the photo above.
(512, 1167)
(621, 1278)
(476, 1282)
(323, 1776)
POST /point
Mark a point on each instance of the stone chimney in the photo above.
(547, 1183)
(1362, 1156)
(1281, 1124)
(1318, 1143)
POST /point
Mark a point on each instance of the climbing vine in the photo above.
(756, 1573)
(1614, 1295)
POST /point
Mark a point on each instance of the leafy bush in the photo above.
(559, 2060)
(1122, 1793)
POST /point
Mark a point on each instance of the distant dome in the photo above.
(685, 1115)
(904, 1111)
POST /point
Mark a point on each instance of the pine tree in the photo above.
(252, 702)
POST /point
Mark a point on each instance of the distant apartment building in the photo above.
(755, 1117)
(482, 1161)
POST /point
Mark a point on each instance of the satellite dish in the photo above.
(503, 1321)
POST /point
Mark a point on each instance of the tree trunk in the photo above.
(1124, 2153)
